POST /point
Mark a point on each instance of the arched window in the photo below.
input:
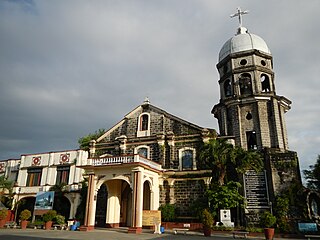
(143, 151)
(227, 88)
(187, 159)
(245, 84)
(143, 125)
(265, 83)
(144, 120)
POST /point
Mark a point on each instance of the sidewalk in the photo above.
(111, 234)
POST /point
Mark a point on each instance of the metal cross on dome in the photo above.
(239, 14)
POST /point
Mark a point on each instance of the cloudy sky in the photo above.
(68, 68)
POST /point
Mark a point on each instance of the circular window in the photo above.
(243, 62)
(263, 63)
(249, 116)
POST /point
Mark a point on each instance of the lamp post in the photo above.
(16, 203)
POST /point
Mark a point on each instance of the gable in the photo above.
(160, 122)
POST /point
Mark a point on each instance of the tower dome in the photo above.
(243, 41)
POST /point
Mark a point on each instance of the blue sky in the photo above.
(69, 68)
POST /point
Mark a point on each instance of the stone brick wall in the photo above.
(283, 170)
(167, 135)
(186, 192)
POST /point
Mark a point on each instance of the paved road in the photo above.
(103, 234)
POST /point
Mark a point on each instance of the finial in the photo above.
(146, 101)
(239, 14)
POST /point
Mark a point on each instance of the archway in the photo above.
(114, 204)
(25, 203)
(126, 205)
(101, 206)
(146, 196)
(62, 205)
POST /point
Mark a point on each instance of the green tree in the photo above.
(84, 142)
(225, 197)
(6, 185)
(6, 191)
(313, 175)
(216, 154)
(227, 161)
(59, 203)
(247, 160)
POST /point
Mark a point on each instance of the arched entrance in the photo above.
(114, 204)
(101, 207)
(25, 203)
(146, 196)
(62, 205)
(126, 183)
(126, 205)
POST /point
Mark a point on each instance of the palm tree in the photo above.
(217, 153)
(6, 191)
(5, 185)
(247, 160)
(222, 157)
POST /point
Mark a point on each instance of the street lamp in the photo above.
(16, 203)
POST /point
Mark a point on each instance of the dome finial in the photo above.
(239, 14)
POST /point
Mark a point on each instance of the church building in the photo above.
(147, 159)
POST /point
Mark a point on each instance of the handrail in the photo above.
(111, 160)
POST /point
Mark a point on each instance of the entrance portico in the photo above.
(132, 184)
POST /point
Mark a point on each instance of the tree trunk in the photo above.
(222, 176)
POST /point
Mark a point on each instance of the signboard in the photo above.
(44, 201)
(151, 217)
(307, 227)
(256, 191)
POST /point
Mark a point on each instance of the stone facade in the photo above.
(186, 193)
(251, 113)
(164, 139)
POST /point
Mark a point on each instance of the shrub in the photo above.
(49, 216)
(267, 220)
(207, 218)
(222, 228)
(168, 212)
(38, 222)
(3, 214)
(25, 215)
(254, 229)
(59, 219)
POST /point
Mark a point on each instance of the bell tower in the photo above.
(252, 114)
(249, 110)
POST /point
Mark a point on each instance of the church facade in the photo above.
(147, 159)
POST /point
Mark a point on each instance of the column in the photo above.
(137, 199)
(171, 191)
(91, 205)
